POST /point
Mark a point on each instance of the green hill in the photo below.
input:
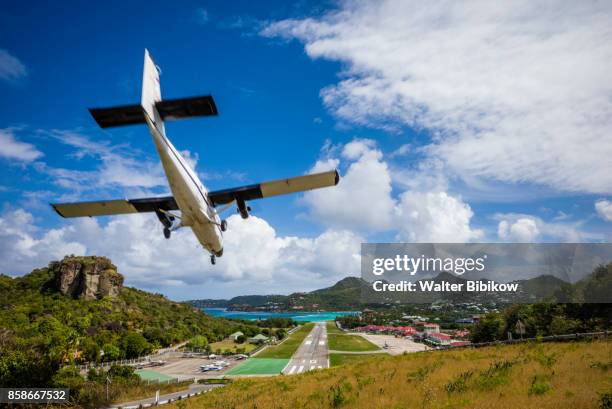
(73, 310)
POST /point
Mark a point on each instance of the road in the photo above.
(312, 354)
(193, 389)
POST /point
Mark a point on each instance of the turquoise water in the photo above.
(296, 316)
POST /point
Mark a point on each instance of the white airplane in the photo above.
(197, 206)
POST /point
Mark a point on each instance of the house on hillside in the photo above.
(235, 335)
(431, 328)
(439, 339)
(258, 339)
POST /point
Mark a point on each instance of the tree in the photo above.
(135, 345)
(111, 352)
(198, 342)
(488, 329)
(240, 339)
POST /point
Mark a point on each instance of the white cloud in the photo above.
(117, 166)
(254, 254)
(511, 91)
(524, 228)
(11, 69)
(435, 217)
(604, 209)
(364, 200)
(11, 148)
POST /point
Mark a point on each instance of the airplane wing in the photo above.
(112, 207)
(274, 188)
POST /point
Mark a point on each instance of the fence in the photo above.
(549, 338)
(168, 381)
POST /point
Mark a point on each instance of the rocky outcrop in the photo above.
(88, 278)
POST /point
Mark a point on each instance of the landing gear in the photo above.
(167, 232)
(213, 259)
(243, 209)
(223, 225)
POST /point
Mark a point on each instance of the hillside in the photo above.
(352, 292)
(344, 295)
(77, 308)
(533, 375)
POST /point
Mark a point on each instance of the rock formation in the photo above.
(88, 278)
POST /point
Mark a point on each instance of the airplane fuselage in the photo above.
(189, 192)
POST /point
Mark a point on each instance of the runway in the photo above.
(312, 354)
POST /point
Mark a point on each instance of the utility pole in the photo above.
(108, 382)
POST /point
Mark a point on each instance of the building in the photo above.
(431, 328)
(462, 333)
(439, 339)
(258, 339)
(235, 335)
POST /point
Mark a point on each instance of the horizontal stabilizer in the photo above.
(118, 116)
(168, 110)
(186, 107)
(113, 207)
(275, 187)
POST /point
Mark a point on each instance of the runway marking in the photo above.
(313, 361)
(301, 369)
(293, 368)
(303, 360)
(319, 367)
(308, 342)
(312, 367)
(321, 342)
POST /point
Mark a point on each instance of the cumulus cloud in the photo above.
(604, 209)
(435, 217)
(510, 91)
(11, 68)
(13, 149)
(364, 200)
(524, 228)
(254, 254)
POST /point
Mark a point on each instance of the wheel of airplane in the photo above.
(167, 232)
(223, 225)
(213, 259)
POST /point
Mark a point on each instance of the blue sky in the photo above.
(445, 131)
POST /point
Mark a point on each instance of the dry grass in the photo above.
(552, 375)
(146, 391)
(229, 346)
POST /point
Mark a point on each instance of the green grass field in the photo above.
(339, 342)
(227, 345)
(149, 375)
(259, 366)
(286, 349)
(343, 359)
(332, 328)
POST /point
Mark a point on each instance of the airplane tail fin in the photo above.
(151, 104)
(151, 90)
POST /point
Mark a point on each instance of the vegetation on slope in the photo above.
(289, 346)
(531, 375)
(42, 330)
